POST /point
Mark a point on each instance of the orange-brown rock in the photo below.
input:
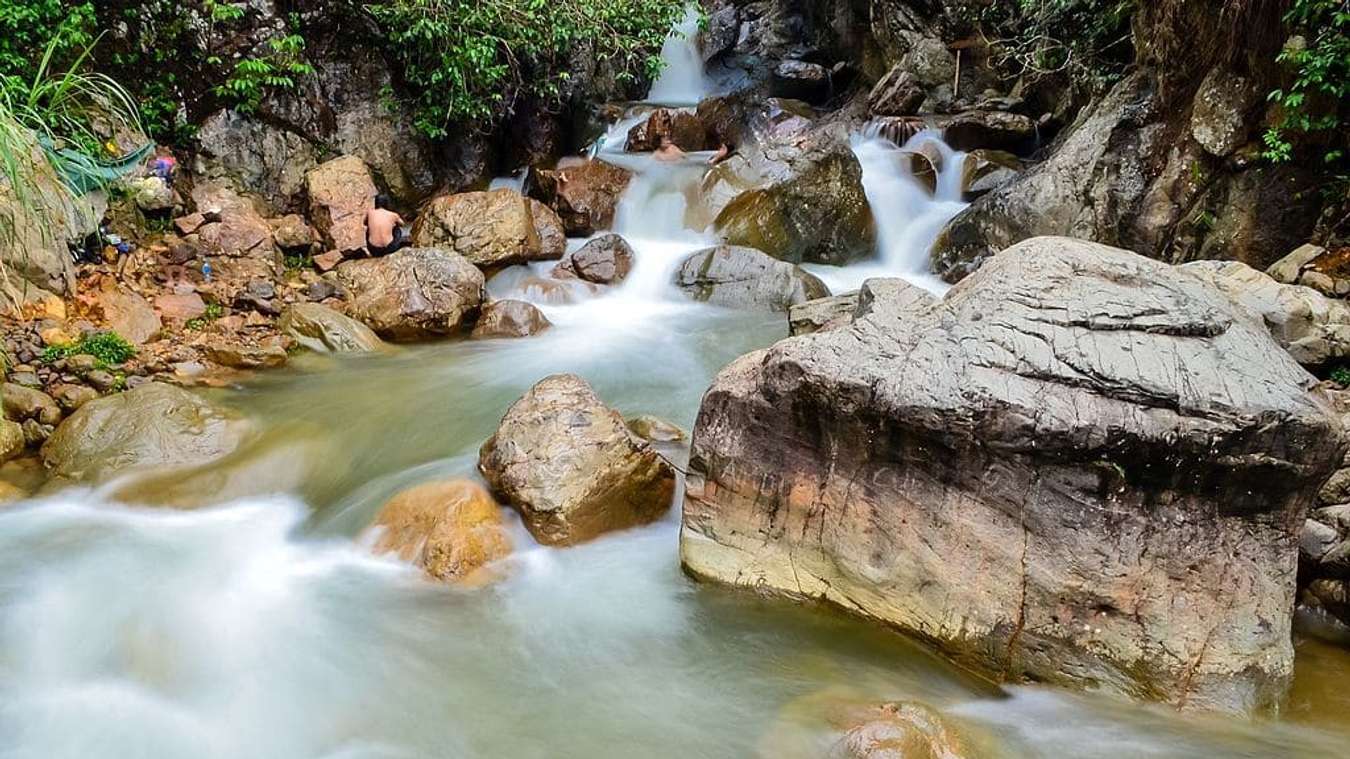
(450, 529)
(584, 196)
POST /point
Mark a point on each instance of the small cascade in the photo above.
(682, 81)
(909, 217)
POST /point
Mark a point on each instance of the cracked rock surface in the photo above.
(1081, 467)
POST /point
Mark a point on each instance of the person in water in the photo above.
(384, 229)
(668, 151)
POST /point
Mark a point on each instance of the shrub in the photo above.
(470, 60)
(109, 348)
(32, 29)
(1320, 64)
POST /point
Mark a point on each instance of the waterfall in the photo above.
(682, 81)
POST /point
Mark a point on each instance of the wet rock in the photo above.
(897, 94)
(549, 227)
(1083, 467)
(605, 260)
(452, 529)
(320, 328)
(584, 196)
(130, 316)
(23, 403)
(1219, 118)
(494, 228)
(155, 425)
(413, 293)
(682, 128)
(821, 313)
(740, 277)
(341, 192)
(1313, 328)
(570, 466)
(654, 429)
(800, 200)
(509, 318)
(799, 80)
(903, 730)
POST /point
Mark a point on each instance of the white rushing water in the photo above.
(261, 629)
(682, 80)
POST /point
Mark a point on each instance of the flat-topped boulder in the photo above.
(1081, 467)
(494, 228)
(745, 278)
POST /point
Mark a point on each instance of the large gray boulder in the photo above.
(1082, 467)
(494, 228)
(746, 278)
(414, 293)
(150, 427)
(572, 468)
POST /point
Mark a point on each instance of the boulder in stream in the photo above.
(152, 426)
(493, 228)
(903, 730)
(682, 128)
(583, 195)
(1081, 467)
(509, 318)
(606, 260)
(738, 277)
(451, 529)
(799, 199)
(413, 293)
(320, 328)
(571, 467)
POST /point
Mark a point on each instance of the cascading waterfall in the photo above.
(682, 81)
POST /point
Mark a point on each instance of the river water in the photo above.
(261, 628)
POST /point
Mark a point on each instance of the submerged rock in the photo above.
(1082, 467)
(451, 529)
(152, 426)
(604, 261)
(494, 228)
(746, 278)
(320, 328)
(510, 318)
(571, 467)
(903, 730)
(413, 293)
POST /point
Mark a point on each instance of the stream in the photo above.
(264, 629)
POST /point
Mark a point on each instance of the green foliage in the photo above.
(1341, 376)
(253, 77)
(32, 29)
(470, 60)
(1320, 62)
(213, 311)
(109, 348)
(1087, 41)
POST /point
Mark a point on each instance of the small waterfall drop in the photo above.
(682, 81)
